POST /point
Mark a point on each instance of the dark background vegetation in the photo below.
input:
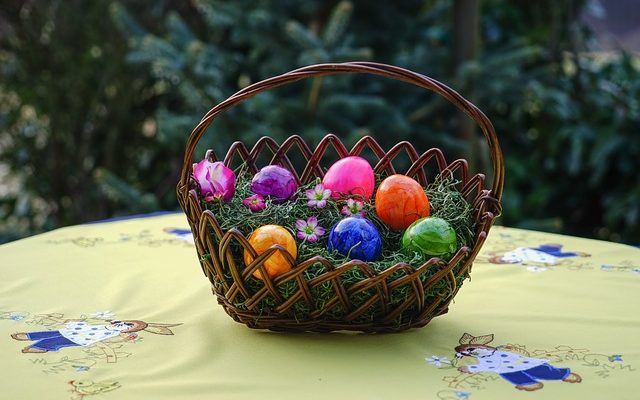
(97, 99)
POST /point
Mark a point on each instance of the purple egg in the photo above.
(276, 182)
(356, 238)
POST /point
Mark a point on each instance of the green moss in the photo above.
(446, 202)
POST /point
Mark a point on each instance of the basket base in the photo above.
(285, 323)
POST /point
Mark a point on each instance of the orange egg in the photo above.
(262, 239)
(401, 200)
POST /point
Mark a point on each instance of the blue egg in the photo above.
(356, 238)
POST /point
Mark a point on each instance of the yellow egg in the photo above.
(262, 239)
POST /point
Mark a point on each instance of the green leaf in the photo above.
(302, 36)
(338, 23)
(125, 22)
(217, 14)
(179, 32)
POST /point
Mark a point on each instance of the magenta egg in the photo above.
(350, 176)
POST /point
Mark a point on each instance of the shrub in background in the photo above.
(94, 114)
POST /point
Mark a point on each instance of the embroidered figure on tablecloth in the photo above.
(545, 254)
(90, 340)
(526, 373)
(87, 340)
(81, 333)
(477, 366)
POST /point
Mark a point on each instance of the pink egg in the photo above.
(350, 176)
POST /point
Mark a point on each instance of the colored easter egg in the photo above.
(356, 238)
(274, 181)
(262, 239)
(431, 236)
(400, 201)
(350, 176)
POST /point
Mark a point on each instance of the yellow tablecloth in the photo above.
(565, 305)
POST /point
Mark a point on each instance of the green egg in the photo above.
(431, 236)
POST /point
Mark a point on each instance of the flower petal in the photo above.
(200, 173)
(311, 194)
(215, 179)
(301, 224)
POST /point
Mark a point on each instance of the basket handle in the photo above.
(388, 71)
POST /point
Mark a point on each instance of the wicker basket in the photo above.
(216, 247)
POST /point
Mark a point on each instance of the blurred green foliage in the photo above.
(97, 99)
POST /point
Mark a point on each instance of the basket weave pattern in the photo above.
(218, 249)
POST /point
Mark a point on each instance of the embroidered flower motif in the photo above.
(255, 203)
(132, 337)
(636, 271)
(17, 317)
(536, 269)
(437, 361)
(103, 314)
(615, 358)
(353, 208)
(309, 230)
(318, 196)
(463, 395)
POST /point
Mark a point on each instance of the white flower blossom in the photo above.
(103, 314)
(437, 361)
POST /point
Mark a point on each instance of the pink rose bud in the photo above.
(215, 179)
(276, 182)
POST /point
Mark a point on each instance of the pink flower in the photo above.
(318, 196)
(217, 182)
(255, 203)
(353, 208)
(309, 230)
